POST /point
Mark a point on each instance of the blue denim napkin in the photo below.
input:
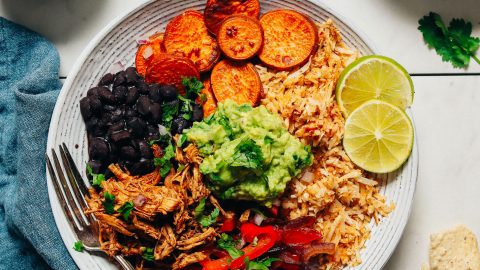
(29, 87)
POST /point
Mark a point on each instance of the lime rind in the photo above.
(378, 156)
(363, 95)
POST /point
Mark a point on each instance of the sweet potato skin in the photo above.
(238, 81)
(218, 10)
(186, 35)
(170, 69)
(155, 45)
(240, 37)
(289, 39)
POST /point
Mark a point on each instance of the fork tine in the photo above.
(81, 184)
(61, 196)
(79, 198)
(68, 192)
(71, 176)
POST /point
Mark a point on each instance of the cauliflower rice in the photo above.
(340, 194)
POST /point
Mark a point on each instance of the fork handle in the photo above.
(126, 265)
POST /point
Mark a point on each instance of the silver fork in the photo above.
(72, 193)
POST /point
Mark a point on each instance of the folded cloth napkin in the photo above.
(29, 87)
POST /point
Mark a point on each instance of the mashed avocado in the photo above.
(248, 153)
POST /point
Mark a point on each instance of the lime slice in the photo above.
(374, 77)
(378, 136)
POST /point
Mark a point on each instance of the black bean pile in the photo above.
(122, 115)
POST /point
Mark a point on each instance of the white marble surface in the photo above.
(390, 24)
(446, 108)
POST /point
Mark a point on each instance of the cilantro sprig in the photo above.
(263, 264)
(125, 210)
(453, 43)
(78, 246)
(227, 243)
(97, 178)
(164, 162)
(147, 254)
(207, 221)
(109, 203)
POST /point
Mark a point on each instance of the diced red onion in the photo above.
(148, 52)
(258, 219)
(139, 200)
(142, 41)
(240, 243)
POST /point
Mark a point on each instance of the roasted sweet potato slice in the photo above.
(207, 99)
(170, 69)
(238, 81)
(289, 39)
(240, 37)
(218, 10)
(186, 35)
(146, 52)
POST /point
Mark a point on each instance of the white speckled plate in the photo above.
(117, 42)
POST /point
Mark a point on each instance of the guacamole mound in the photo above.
(248, 153)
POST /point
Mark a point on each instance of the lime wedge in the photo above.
(374, 77)
(378, 136)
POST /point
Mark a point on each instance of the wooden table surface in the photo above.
(446, 106)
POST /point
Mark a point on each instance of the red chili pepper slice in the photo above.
(266, 236)
(228, 225)
(300, 236)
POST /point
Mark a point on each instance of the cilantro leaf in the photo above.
(260, 264)
(247, 154)
(192, 86)
(200, 208)
(206, 221)
(181, 140)
(164, 162)
(78, 246)
(125, 210)
(203, 98)
(163, 140)
(453, 43)
(226, 242)
(97, 178)
(148, 254)
(169, 111)
(109, 203)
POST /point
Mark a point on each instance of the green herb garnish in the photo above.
(181, 140)
(200, 208)
(206, 221)
(164, 162)
(227, 243)
(125, 210)
(148, 254)
(192, 86)
(169, 111)
(247, 154)
(78, 246)
(109, 203)
(453, 43)
(263, 264)
(97, 178)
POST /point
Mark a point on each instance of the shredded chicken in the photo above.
(185, 260)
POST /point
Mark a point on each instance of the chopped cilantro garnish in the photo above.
(163, 140)
(164, 162)
(169, 111)
(109, 203)
(148, 254)
(125, 210)
(78, 246)
(227, 243)
(181, 140)
(206, 221)
(200, 208)
(453, 43)
(203, 98)
(248, 155)
(97, 178)
(192, 86)
(263, 264)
